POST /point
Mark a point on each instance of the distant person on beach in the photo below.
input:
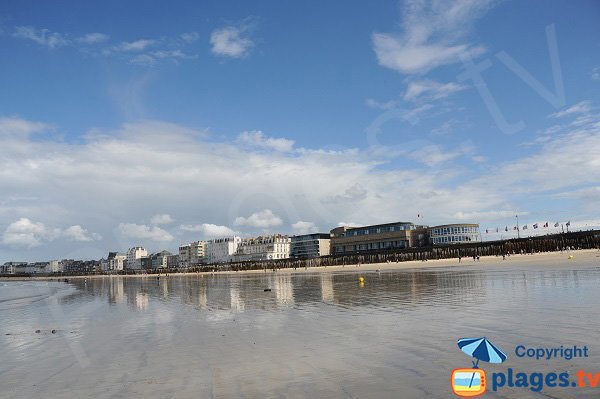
(459, 258)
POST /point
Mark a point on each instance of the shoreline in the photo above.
(577, 255)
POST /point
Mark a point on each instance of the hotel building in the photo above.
(272, 247)
(221, 250)
(389, 236)
(197, 253)
(184, 256)
(134, 256)
(454, 234)
(310, 245)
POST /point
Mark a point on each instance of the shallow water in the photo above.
(313, 335)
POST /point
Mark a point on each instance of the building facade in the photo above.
(221, 250)
(114, 262)
(160, 260)
(184, 256)
(197, 253)
(310, 245)
(454, 234)
(389, 236)
(134, 256)
(272, 247)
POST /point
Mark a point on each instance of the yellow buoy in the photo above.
(570, 256)
(361, 279)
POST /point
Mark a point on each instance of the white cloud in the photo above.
(232, 41)
(26, 233)
(582, 107)
(263, 220)
(487, 215)
(433, 155)
(208, 230)
(301, 227)
(354, 193)
(43, 37)
(137, 45)
(190, 37)
(143, 232)
(595, 73)
(430, 90)
(161, 219)
(11, 126)
(431, 36)
(381, 105)
(258, 139)
(129, 173)
(93, 38)
(78, 233)
(349, 224)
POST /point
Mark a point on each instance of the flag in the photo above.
(556, 224)
(486, 231)
(496, 229)
(568, 223)
(535, 226)
(506, 228)
(525, 227)
(546, 225)
(515, 228)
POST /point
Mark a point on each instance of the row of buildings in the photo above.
(339, 241)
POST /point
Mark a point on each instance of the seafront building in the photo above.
(454, 234)
(221, 250)
(184, 256)
(197, 253)
(134, 258)
(271, 247)
(399, 235)
(159, 260)
(114, 262)
(310, 245)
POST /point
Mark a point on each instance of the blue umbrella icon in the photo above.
(481, 349)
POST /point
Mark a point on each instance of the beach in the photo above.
(316, 333)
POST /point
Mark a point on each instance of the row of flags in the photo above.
(525, 227)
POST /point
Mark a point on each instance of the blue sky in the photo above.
(128, 123)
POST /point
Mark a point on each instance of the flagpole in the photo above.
(518, 230)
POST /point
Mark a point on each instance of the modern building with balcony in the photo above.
(454, 234)
(134, 256)
(310, 245)
(379, 237)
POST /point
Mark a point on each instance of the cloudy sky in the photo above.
(158, 123)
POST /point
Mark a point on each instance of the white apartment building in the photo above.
(197, 253)
(272, 247)
(116, 262)
(221, 250)
(54, 266)
(134, 257)
(185, 252)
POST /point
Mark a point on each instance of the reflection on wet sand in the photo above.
(288, 290)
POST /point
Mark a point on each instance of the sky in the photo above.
(165, 122)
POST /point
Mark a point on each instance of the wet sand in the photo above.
(317, 334)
